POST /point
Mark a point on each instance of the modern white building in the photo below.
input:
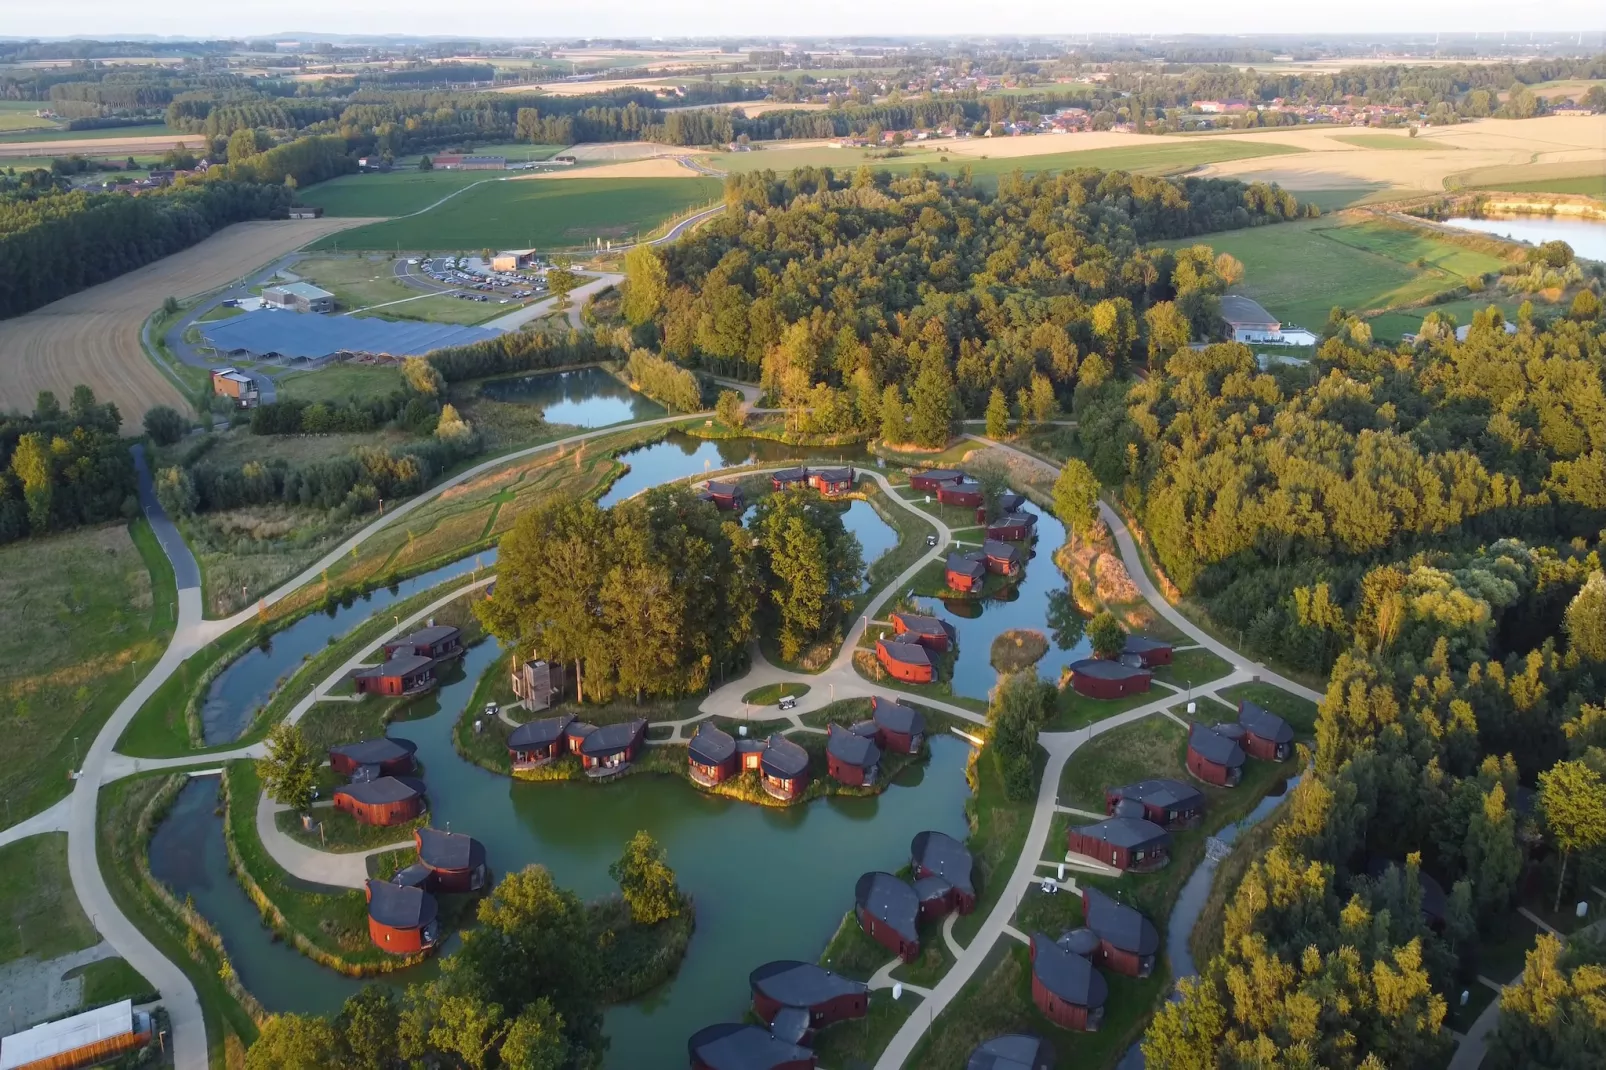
(1253, 325)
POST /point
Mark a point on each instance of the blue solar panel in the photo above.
(306, 334)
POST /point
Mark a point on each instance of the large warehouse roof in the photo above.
(292, 334)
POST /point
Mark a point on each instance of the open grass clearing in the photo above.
(338, 832)
(1299, 712)
(39, 913)
(1076, 710)
(340, 382)
(1192, 667)
(770, 694)
(1589, 185)
(1393, 326)
(394, 193)
(1390, 142)
(999, 826)
(110, 981)
(854, 1045)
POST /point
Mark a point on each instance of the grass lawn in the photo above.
(1151, 747)
(1076, 710)
(1588, 185)
(1331, 200)
(40, 913)
(1398, 142)
(912, 530)
(1192, 667)
(338, 382)
(770, 694)
(999, 826)
(148, 130)
(343, 834)
(1392, 326)
(1300, 713)
(89, 613)
(855, 1044)
(111, 980)
(547, 214)
(14, 117)
(1501, 958)
(221, 312)
(1417, 247)
(396, 193)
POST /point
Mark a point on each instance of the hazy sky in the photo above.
(639, 18)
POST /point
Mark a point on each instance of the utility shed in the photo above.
(82, 1040)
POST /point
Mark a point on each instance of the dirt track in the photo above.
(93, 336)
(101, 146)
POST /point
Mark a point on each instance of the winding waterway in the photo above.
(582, 397)
(678, 456)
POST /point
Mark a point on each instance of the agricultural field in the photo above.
(1388, 142)
(114, 141)
(570, 214)
(339, 382)
(18, 115)
(1588, 185)
(380, 196)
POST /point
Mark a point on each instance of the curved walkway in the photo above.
(340, 869)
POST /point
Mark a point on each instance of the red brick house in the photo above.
(1013, 527)
(966, 495)
(933, 480)
(400, 920)
(725, 496)
(905, 661)
(1146, 652)
(783, 768)
(1128, 941)
(456, 862)
(1127, 843)
(439, 642)
(373, 758)
(851, 756)
(612, 747)
(1214, 755)
(789, 477)
(729, 1046)
(389, 800)
(937, 854)
(888, 910)
(966, 571)
(711, 757)
(1266, 735)
(1012, 1051)
(825, 997)
(399, 677)
(1003, 559)
(929, 632)
(535, 743)
(1171, 804)
(1066, 987)
(1103, 678)
(900, 729)
(832, 482)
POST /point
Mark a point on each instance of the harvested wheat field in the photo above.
(624, 150)
(652, 167)
(92, 337)
(101, 146)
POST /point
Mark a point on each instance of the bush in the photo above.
(164, 425)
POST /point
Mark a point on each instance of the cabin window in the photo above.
(1115, 856)
(1138, 856)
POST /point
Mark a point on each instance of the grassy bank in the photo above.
(998, 828)
(41, 913)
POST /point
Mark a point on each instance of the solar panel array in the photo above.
(298, 334)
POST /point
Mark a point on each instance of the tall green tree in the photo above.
(289, 770)
(894, 425)
(1554, 1017)
(1586, 619)
(646, 881)
(1076, 497)
(1169, 331)
(368, 1025)
(1106, 634)
(1572, 797)
(295, 1042)
(729, 409)
(646, 285)
(931, 403)
(997, 415)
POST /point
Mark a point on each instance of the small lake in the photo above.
(979, 621)
(582, 397)
(679, 456)
(1587, 237)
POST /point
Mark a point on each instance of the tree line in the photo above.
(64, 468)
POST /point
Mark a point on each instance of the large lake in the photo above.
(1588, 238)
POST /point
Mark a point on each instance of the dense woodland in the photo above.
(62, 468)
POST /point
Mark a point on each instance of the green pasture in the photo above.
(1588, 185)
(393, 193)
(19, 134)
(1397, 142)
(554, 213)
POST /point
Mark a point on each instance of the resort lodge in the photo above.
(965, 572)
(888, 910)
(1126, 843)
(1105, 678)
(1128, 941)
(1065, 986)
(387, 800)
(1266, 735)
(729, 1046)
(851, 754)
(908, 662)
(401, 920)
(930, 632)
(939, 855)
(1171, 804)
(370, 759)
(456, 863)
(796, 998)
(1214, 755)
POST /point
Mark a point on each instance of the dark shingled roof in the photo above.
(1120, 925)
(802, 984)
(907, 653)
(1006, 551)
(398, 907)
(612, 737)
(835, 475)
(1009, 501)
(791, 1024)
(729, 1046)
(414, 876)
(426, 636)
(400, 665)
(1106, 669)
(946, 856)
(449, 850)
(376, 751)
(848, 746)
(929, 888)
(915, 624)
(387, 789)
(1263, 723)
(1013, 1051)
(896, 717)
(1024, 519)
(966, 565)
(1139, 644)
(790, 475)
(1214, 747)
(1068, 975)
(1162, 792)
(890, 900)
(783, 758)
(546, 731)
(1129, 832)
(722, 490)
(1128, 808)
(1080, 942)
(711, 745)
(940, 474)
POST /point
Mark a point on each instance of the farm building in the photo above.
(81, 1040)
(456, 862)
(1248, 321)
(900, 729)
(1127, 843)
(966, 571)
(438, 642)
(451, 161)
(266, 333)
(400, 676)
(1168, 803)
(536, 743)
(851, 756)
(784, 768)
(1103, 678)
(401, 920)
(929, 632)
(1214, 755)
(831, 481)
(824, 996)
(887, 909)
(726, 496)
(936, 898)
(1066, 987)
(1003, 559)
(612, 747)
(730, 1046)
(937, 854)
(934, 479)
(789, 477)
(711, 756)
(299, 297)
(379, 757)
(1266, 735)
(905, 661)
(1012, 1051)
(231, 383)
(1013, 527)
(1146, 653)
(965, 494)
(1128, 941)
(389, 800)
(538, 683)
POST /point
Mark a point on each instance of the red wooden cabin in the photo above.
(1013, 527)
(888, 909)
(905, 661)
(1066, 987)
(933, 480)
(900, 729)
(824, 996)
(1003, 559)
(401, 676)
(711, 757)
(966, 571)
(1127, 843)
(789, 477)
(1266, 735)
(783, 768)
(1168, 803)
(730, 1046)
(936, 898)
(929, 632)
(378, 757)
(1146, 652)
(1128, 941)
(535, 743)
(1103, 678)
(1214, 755)
(389, 800)
(438, 642)
(831, 482)
(966, 495)
(725, 496)
(937, 854)
(851, 756)
(401, 920)
(613, 746)
(456, 862)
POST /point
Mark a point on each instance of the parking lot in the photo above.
(470, 279)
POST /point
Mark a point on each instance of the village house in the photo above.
(538, 683)
(784, 768)
(1013, 527)
(369, 759)
(1012, 1051)
(1003, 559)
(851, 756)
(456, 862)
(899, 729)
(1127, 843)
(821, 997)
(612, 747)
(930, 632)
(387, 800)
(934, 479)
(1128, 941)
(832, 482)
(1214, 755)
(965, 493)
(888, 909)
(232, 383)
(729, 1046)
(298, 297)
(965, 571)
(1066, 987)
(1145, 653)
(937, 854)
(711, 755)
(905, 661)
(399, 677)
(536, 743)
(1103, 678)
(438, 642)
(1266, 735)
(789, 477)
(1168, 803)
(401, 920)
(725, 496)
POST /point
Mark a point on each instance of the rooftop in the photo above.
(267, 330)
(907, 653)
(1126, 832)
(784, 759)
(711, 745)
(1118, 924)
(945, 856)
(613, 737)
(1068, 975)
(1263, 723)
(302, 289)
(729, 1046)
(918, 625)
(896, 717)
(850, 747)
(1013, 1051)
(387, 789)
(1214, 747)
(537, 733)
(399, 665)
(1142, 644)
(1240, 311)
(69, 1034)
(448, 850)
(376, 751)
(1162, 792)
(964, 564)
(888, 899)
(801, 984)
(1106, 669)
(427, 636)
(1003, 551)
(943, 474)
(398, 907)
